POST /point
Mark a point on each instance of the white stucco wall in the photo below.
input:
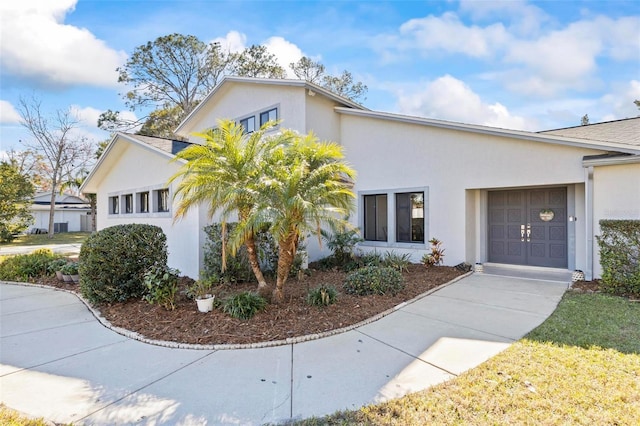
(69, 216)
(140, 169)
(616, 195)
(395, 156)
(251, 99)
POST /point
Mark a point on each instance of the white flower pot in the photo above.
(205, 304)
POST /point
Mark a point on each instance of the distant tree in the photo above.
(16, 195)
(256, 61)
(161, 122)
(308, 69)
(343, 85)
(30, 164)
(584, 120)
(173, 73)
(73, 183)
(637, 102)
(54, 139)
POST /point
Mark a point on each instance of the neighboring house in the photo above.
(483, 191)
(71, 213)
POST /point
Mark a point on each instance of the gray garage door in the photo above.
(528, 227)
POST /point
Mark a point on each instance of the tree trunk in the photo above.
(263, 287)
(287, 252)
(93, 200)
(52, 207)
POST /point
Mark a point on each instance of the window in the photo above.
(114, 205)
(143, 202)
(163, 200)
(375, 217)
(270, 115)
(249, 124)
(128, 203)
(410, 217)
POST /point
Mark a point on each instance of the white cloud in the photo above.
(285, 52)
(619, 102)
(449, 34)
(8, 114)
(233, 42)
(36, 44)
(448, 98)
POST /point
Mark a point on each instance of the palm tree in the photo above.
(305, 183)
(222, 173)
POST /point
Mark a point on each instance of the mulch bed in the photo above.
(293, 318)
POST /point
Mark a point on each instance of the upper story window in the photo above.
(270, 115)
(249, 124)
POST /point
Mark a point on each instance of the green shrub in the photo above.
(161, 284)
(620, 256)
(56, 265)
(374, 280)
(238, 267)
(27, 266)
(372, 258)
(400, 262)
(244, 305)
(342, 242)
(70, 268)
(113, 261)
(323, 295)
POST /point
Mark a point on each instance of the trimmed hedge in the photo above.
(113, 261)
(374, 280)
(620, 256)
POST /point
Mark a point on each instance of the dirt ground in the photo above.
(291, 319)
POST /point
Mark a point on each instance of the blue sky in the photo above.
(512, 64)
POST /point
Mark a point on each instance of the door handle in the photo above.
(522, 233)
(528, 232)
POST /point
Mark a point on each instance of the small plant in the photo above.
(323, 295)
(342, 242)
(372, 258)
(436, 257)
(244, 305)
(161, 284)
(373, 280)
(56, 265)
(397, 261)
(70, 268)
(201, 288)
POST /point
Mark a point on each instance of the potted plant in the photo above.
(55, 266)
(70, 272)
(201, 290)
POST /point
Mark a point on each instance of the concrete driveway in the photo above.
(59, 362)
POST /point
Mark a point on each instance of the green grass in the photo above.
(581, 366)
(42, 239)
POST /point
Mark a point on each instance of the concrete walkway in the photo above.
(71, 249)
(58, 362)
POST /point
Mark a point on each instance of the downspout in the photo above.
(589, 222)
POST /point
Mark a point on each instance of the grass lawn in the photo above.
(581, 366)
(42, 239)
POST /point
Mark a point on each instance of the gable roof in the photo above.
(45, 198)
(229, 80)
(625, 131)
(160, 146)
(495, 131)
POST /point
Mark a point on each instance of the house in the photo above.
(71, 213)
(491, 195)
